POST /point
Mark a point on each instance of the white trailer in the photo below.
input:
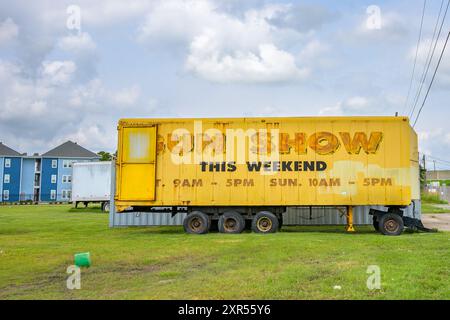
(91, 182)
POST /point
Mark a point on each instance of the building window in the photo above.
(66, 194)
(6, 178)
(37, 165)
(54, 164)
(7, 163)
(5, 195)
(67, 179)
(53, 178)
(68, 163)
(52, 194)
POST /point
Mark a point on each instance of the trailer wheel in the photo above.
(376, 223)
(196, 223)
(231, 222)
(391, 224)
(265, 222)
(105, 206)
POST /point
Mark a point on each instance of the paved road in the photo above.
(441, 221)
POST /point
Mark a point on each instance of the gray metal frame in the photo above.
(293, 215)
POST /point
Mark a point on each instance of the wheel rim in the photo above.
(230, 224)
(196, 224)
(391, 226)
(264, 224)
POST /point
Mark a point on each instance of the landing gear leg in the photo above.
(349, 227)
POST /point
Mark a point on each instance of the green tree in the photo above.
(105, 156)
(422, 176)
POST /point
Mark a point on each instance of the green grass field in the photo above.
(37, 244)
(433, 208)
(432, 203)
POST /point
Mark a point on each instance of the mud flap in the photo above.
(411, 223)
(416, 224)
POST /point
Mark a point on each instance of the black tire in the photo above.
(105, 206)
(265, 222)
(231, 222)
(391, 224)
(196, 222)
(375, 223)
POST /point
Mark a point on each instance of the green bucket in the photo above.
(83, 259)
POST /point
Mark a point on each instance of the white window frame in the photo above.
(66, 194)
(5, 195)
(53, 178)
(6, 178)
(68, 163)
(7, 162)
(67, 178)
(54, 164)
(52, 194)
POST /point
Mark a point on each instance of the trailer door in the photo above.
(138, 164)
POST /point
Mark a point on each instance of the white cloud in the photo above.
(269, 64)
(104, 13)
(94, 96)
(431, 141)
(8, 31)
(362, 105)
(50, 108)
(394, 28)
(303, 17)
(312, 50)
(77, 43)
(222, 47)
(447, 139)
(93, 135)
(58, 72)
(443, 76)
(357, 103)
(126, 97)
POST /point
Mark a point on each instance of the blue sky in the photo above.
(210, 58)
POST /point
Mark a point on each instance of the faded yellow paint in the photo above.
(177, 162)
(136, 168)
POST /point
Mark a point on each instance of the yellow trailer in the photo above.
(230, 170)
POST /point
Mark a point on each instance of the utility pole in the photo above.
(434, 168)
(425, 169)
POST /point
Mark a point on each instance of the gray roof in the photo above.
(70, 149)
(7, 151)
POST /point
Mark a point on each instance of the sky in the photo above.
(70, 69)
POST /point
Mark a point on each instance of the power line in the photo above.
(432, 79)
(435, 158)
(428, 60)
(427, 64)
(415, 59)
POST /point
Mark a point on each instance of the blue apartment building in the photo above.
(40, 178)
(10, 173)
